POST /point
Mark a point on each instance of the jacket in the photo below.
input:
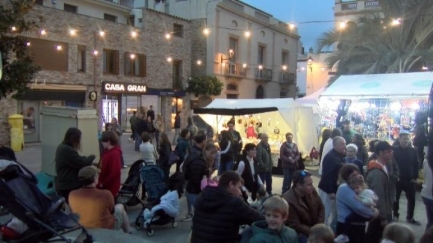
(332, 163)
(407, 162)
(393, 173)
(262, 234)
(348, 135)
(289, 156)
(251, 182)
(177, 121)
(218, 215)
(164, 151)
(355, 161)
(379, 182)
(238, 145)
(159, 126)
(229, 156)
(181, 147)
(194, 169)
(141, 126)
(110, 166)
(264, 158)
(68, 163)
(304, 214)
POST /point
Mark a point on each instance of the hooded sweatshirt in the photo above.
(262, 234)
(378, 181)
(218, 215)
(109, 178)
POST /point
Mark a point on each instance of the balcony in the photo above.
(263, 74)
(235, 69)
(178, 83)
(371, 4)
(349, 6)
(287, 78)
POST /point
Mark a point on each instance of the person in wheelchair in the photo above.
(95, 206)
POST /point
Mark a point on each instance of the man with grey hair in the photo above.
(351, 150)
(332, 163)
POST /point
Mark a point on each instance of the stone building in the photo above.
(111, 47)
(250, 51)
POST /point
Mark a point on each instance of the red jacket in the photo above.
(110, 170)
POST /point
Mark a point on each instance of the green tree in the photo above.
(373, 44)
(18, 69)
(205, 85)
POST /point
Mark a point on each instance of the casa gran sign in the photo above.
(109, 87)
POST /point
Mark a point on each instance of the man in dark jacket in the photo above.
(407, 161)
(176, 127)
(151, 113)
(141, 126)
(290, 156)
(264, 161)
(328, 185)
(238, 144)
(220, 211)
(305, 207)
(378, 181)
(194, 168)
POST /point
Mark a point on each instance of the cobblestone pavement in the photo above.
(31, 158)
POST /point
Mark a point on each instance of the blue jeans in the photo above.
(287, 181)
(302, 238)
(190, 200)
(267, 180)
(137, 142)
(429, 210)
(225, 166)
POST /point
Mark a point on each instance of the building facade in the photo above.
(351, 10)
(250, 51)
(106, 55)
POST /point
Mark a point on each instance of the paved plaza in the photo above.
(31, 158)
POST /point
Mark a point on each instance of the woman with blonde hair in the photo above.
(158, 124)
(398, 233)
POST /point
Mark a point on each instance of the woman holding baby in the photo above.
(355, 205)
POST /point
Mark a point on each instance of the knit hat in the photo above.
(88, 172)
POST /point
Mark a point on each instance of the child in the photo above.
(366, 196)
(320, 233)
(273, 229)
(398, 233)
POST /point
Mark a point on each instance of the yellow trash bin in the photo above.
(17, 132)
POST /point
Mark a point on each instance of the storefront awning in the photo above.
(392, 85)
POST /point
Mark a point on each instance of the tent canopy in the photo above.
(284, 114)
(391, 85)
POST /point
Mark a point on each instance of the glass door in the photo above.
(109, 109)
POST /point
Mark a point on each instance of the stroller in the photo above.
(39, 217)
(163, 198)
(129, 193)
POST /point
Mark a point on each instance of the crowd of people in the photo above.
(229, 184)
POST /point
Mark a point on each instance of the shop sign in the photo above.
(123, 88)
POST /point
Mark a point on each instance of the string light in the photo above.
(206, 31)
(167, 36)
(291, 26)
(43, 32)
(342, 25)
(132, 56)
(284, 67)
(425, 68)
(28, 43)
(133, 34)
(72, 32)
(244, 65)
(396, 22)
(101, 33)
(247, 34)
(13, 28)
(169, 59)
(95, 52)
(199, 62)
(59, 47)
(260, 67)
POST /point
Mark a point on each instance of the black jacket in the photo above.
(332, 163)
(177, 121)
(164, 151)
(407, 162)
(194, 169)
(141, 126)
(218, 215)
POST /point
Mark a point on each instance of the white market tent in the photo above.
(390, 85)
(311, 100)
(285, 114)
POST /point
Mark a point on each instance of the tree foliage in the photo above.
(205, 85)
(18, 67)
(372, 45)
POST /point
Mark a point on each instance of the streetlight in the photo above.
(169, 59)
(199, 62)
(342, 25)
(247, 34)
(284, 67)
(133, 34)
(231, 53)
(101, 33)
(72, 32)
(206, 31)
(310, 63)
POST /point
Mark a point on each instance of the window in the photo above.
(261, 55)
(178, 30)
(131, 20)
(110, 17)
(140, 20)
(232, 96)
(70, 8)
(233, 45)
(284, 58)
(260, 92)
(110, 62)
(135, 64)
(177, 74)
(232, 91)
(81, 58)
(47, 56)
(39, 2)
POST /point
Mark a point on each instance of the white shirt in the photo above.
(241, 168)
(148, 152)
(328, 146)
(427, 185)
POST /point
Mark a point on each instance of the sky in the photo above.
(299, 11)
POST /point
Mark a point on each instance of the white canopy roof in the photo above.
(391, 85)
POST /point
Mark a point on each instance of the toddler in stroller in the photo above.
(163, 198)
(36, 217)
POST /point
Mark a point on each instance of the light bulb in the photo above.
(167, 36)
(43, 32)
(132, 56)
(101, 33)
(59, 47)
(247, 34)
(342, 25)
(13, 28)
(244, 65)
(28, 43)
(72, 32)
(284, 67)
(260, 67)
(291, 26)
(133, 34)
(169, 59)
(198, 62)
(206, 31)
(95, 52)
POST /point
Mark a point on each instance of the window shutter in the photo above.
(116, 62)
(125, 61)
(143, 65)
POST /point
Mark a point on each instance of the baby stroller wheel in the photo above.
(139, 223)
(174, 224)
(150, 232)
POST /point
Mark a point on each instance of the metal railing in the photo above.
(371, 4)
(349, 6)
(263, 74)
(235, 69)
(287, 77)
(178, 83)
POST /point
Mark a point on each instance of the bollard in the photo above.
(17, 132)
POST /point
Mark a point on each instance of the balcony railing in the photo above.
(263, 74)
(178, 83)
(349, 6)
(235, 69)
(288, 78)
(371, 4)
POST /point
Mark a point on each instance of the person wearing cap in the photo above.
(407, 160)
(96, 206)
(379, 181)
(305, 207)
